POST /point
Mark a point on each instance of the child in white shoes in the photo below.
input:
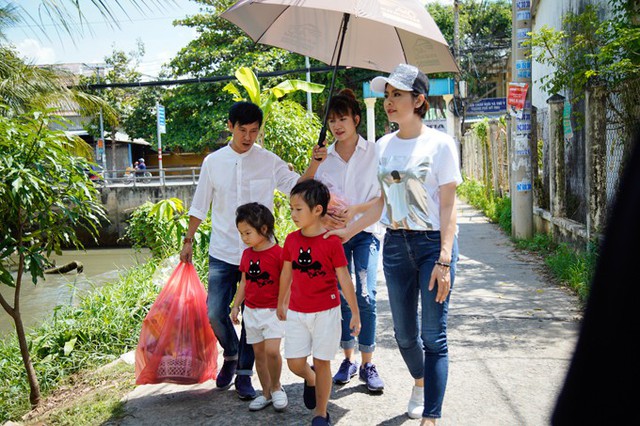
(261, 265)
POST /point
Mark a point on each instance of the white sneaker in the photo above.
(280, 400)
(416, 403)
(259, 403)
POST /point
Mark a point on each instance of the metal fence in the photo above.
(153, 177)
(595, 147)
(486, 160)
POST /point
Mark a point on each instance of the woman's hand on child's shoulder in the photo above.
(341, 233)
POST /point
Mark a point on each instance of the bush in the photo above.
(104, 325)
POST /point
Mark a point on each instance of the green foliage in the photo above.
(47, 197)
(160, 228)
(485, 39)
(25, 87)
(282, 213)
(120, 67)
(268, 97)
(497, 209)
(197, 113)
(291, 133)
(574, 268)
(588, 50)
(104, 325)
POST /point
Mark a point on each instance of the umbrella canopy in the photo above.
(370, 34)
(380, 34)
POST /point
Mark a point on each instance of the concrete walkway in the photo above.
(511, 337)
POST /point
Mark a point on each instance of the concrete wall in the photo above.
(120, 201)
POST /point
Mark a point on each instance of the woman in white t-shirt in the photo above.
(350, 173)
(420, 251)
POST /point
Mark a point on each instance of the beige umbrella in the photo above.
(370, 34)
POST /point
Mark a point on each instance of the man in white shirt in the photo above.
(234, 175)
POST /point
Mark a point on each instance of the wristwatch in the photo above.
(187, 240)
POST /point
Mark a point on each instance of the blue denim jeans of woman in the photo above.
(362, 254)
(223, 283)
(408, 258)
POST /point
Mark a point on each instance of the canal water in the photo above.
(38, 301)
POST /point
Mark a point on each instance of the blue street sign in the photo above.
(162, 125)
(488, 106)
(437, 87)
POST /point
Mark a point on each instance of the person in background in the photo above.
(419, 253)
(261, 265)
(350, 172)
(309, 299)
(237, 174)
(140, 167)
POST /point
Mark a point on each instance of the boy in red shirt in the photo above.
(309, 299)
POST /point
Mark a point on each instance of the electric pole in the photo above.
(521, 145)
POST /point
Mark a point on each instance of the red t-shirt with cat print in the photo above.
(262, 275)
(314, 261)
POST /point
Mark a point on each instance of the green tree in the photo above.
(588, 50)
(120, 67)
(24, 87)
(47, 198)
(197, 113)
(267, 97)
(591, 49)
(485, 40)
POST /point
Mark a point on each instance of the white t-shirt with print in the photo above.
(423, 164)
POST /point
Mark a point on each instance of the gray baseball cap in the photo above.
(404, 77)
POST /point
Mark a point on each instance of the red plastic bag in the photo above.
(177, 344)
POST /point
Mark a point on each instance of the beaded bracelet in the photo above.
(446, 265)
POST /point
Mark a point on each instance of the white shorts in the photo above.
(316, 334)
(261, 324)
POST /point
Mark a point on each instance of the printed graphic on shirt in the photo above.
(257, 276)
(402, 179)
(307, 265)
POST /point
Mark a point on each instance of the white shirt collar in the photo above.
(362, 144)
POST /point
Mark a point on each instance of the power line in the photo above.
(204, 79)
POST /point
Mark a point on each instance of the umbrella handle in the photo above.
(322, 136)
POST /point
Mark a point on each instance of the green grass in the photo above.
(88, 399)
(573, 268)
(104, 325)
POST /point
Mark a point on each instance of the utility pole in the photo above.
(101, 154)
(104, 150)
(521, 145)
(308, 65)
(457, 132)
(456, 33)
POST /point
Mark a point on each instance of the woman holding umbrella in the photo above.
(350, 173)
(420, 253)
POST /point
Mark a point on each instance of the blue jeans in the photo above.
(223, 283)
(363, 250)
(408, 259)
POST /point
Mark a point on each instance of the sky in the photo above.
(154, 27)
(161, 39)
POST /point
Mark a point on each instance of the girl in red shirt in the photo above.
(261, 265)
